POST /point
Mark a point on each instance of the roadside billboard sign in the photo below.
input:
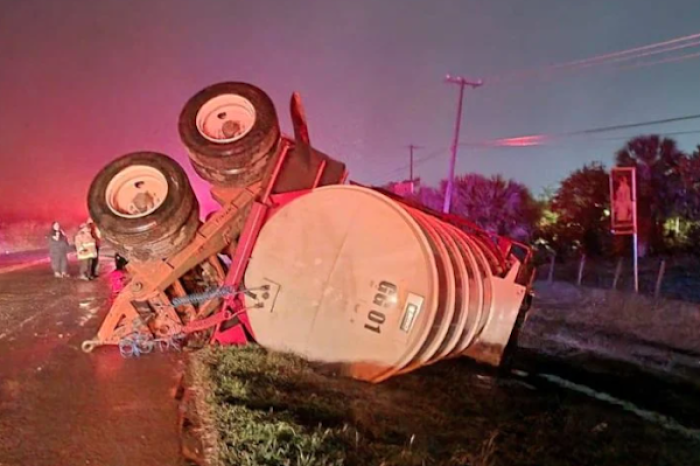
(623, 201)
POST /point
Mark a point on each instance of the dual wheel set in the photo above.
(143, 202)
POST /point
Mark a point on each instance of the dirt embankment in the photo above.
(658, 334)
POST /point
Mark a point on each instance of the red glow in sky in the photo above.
(83, 82)
(522, 141)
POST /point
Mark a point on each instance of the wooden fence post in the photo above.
(581, 265)
(660, 278)
(618, 272)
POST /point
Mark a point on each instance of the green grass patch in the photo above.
(274, 409)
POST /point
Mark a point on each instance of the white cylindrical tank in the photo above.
(378, 288)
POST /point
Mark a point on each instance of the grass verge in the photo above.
(264, 408)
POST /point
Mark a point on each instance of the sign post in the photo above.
(623, 212)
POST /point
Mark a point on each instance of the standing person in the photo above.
(95, 232)
(86, 246)
(58, 251)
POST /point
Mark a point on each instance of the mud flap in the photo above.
(300, 170)
(508, 353)
(490, 346)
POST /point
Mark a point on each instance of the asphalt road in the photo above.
(60, 406)
(19, 258)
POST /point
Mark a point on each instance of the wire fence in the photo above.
(670, 277)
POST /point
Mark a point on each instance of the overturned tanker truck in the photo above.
(336, 272)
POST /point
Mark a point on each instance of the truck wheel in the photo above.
(230, 131)
(143, 204)
(165, 246)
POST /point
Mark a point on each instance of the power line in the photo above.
(646, 54)
(490, 144)
(679, 43)
(628, 54)
(674, 133)
(631, 51)
(680, 58)
(636, 125)
(541, 139)
(670, 133)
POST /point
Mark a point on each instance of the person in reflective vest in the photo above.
(97, 235)
(86, 246)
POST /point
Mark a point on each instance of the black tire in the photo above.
(162, 232)
(240, 162)
(165, 246)
(236, 177)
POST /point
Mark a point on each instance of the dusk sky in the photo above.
(83, 82)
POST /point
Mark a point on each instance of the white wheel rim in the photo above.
(136, 191)
(225, 118)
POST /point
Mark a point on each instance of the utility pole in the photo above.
(450, 180)
(410, 148)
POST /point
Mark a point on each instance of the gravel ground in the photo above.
(657, 335)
